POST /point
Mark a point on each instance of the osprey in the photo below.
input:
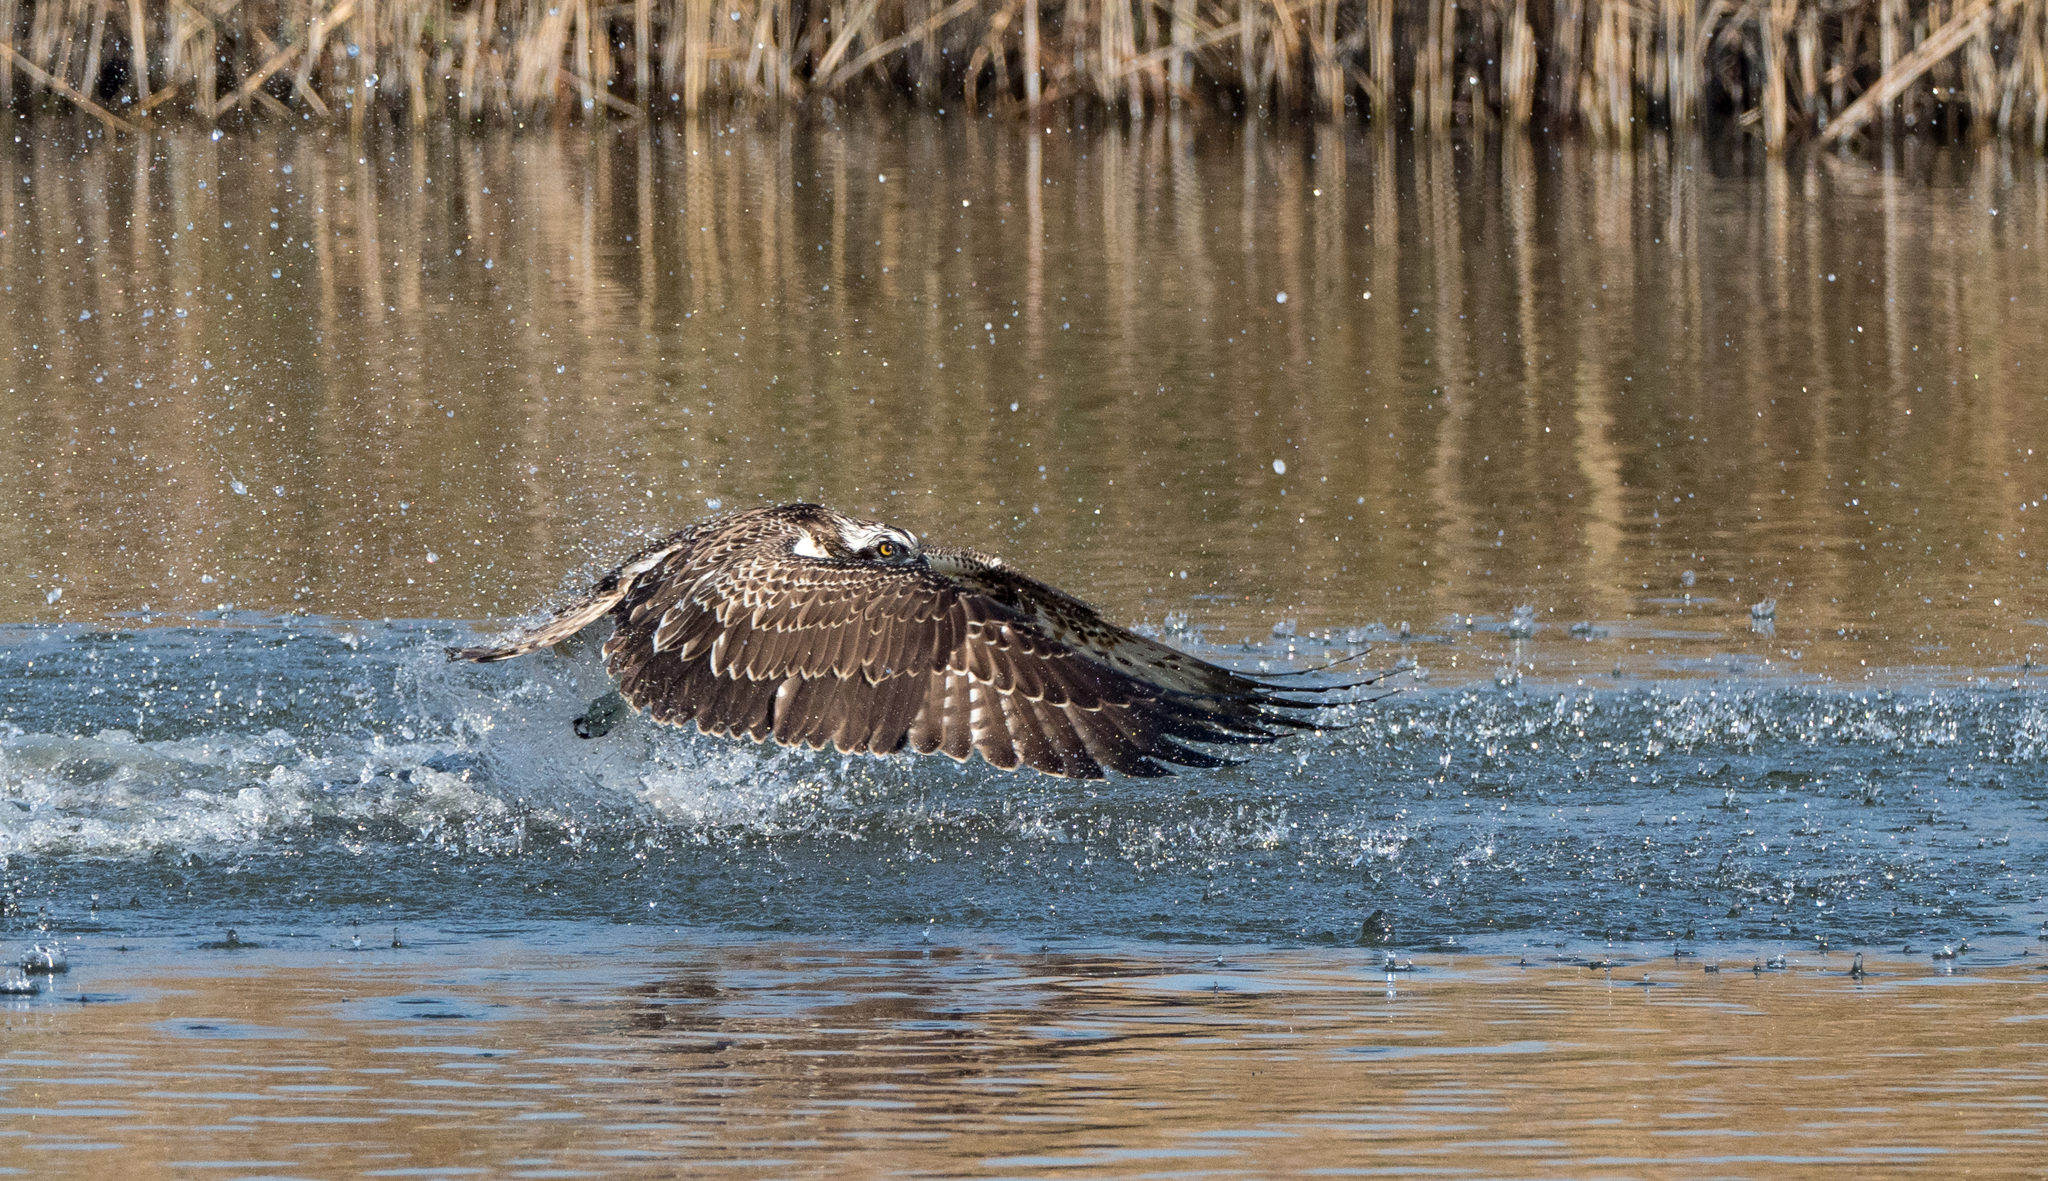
(811, 627)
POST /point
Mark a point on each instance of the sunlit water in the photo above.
(1536, 424)
(519, 1054)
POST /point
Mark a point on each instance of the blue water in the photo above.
(185, 776)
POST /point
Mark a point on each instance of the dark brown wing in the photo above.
(960, 658)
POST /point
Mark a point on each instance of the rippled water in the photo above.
(190, 777)
(1536, 424)
(526, 1056)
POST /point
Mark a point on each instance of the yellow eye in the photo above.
(885, 549)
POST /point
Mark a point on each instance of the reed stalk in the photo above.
(1787, 70)
(1770, 28)
(1518, 66)
(1033, 72)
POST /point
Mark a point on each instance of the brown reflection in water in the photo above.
(820, 1060)
(453, 367)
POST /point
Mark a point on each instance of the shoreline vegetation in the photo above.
(1783, 70)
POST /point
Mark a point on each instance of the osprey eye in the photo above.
(885, 549)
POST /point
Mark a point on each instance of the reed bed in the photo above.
(1784, 69)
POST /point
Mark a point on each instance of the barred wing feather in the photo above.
(734, 626)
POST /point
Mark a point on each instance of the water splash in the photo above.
(292, 762)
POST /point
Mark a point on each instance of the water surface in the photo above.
(426, 376)
(1688, 490)
(519, 1056)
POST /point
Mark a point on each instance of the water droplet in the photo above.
(1279, 467)
(240, 488)
(712, 503)
(1280, 298)
(55, 594)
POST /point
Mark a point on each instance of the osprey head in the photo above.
(836, 536)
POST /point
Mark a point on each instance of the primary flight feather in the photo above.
(813, 628)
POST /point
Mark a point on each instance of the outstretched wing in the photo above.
(966, 656)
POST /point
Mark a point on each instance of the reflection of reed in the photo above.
(784, 1044)
(1780, 67)
(1572, 381)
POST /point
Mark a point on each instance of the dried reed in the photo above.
(1786, 69)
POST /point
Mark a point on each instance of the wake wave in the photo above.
(342, 761)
